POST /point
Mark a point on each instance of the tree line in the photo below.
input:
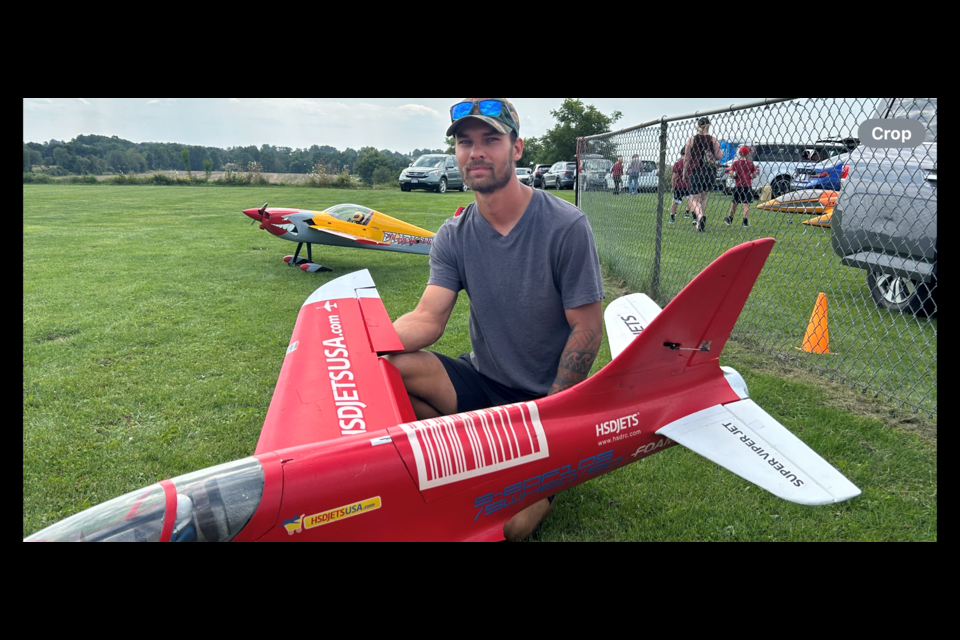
(97, 155)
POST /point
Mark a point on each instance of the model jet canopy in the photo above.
(212, 505)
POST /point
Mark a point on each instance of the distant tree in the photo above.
(574, 119)
(384, 175)
(207, 167)
(135, 161)
(451, 145)
(185, 156)
(531, 151)
(368, 161)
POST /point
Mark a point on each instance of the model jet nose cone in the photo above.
(254, 213)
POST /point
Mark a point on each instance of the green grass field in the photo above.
(155, 322)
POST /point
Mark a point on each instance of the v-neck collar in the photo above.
(517, 228)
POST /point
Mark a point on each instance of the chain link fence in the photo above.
(850, 289)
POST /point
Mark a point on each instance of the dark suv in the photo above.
(538, 172)
(433, 173)
(885, 221)
(562, 175)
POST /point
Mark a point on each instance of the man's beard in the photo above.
(492, 182)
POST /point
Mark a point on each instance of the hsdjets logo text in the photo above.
(616, 426)
(346, 397)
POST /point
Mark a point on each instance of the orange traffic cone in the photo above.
(817, 338)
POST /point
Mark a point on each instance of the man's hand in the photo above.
(586, 333)
(424, 325)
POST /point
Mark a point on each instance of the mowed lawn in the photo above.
(155, 322)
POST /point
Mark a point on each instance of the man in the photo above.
(634, 172)
(528, 263)
(744, 172)
(680, 189)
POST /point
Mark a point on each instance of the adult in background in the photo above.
(744, 173)
(617, 173)
(633, 173)
(528, 263)
(702, 159)
(681, 190)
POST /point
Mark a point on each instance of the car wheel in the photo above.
(463, 186)
(780, 186)
(442, 187)
(404, 187)
(903, 295)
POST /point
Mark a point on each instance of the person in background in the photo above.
(617, 173)
(681, 190)
(744, 172)
(702, 158)
(633, 171)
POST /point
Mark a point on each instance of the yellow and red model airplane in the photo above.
(809, 201)
(343, 225)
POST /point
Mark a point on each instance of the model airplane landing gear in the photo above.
(306, 264)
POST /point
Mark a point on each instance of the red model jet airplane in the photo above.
(341, 456)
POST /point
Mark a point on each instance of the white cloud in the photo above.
(234, 99)
(418, 110)
(84, 101)
(153, 102)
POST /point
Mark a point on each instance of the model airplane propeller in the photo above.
(342, 457)
(344, 225)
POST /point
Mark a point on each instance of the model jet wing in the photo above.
(746, 440)
(349, 236)
(332, 383)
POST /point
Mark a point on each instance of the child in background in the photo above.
(744, 173)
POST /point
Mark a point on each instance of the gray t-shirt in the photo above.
(519, 286)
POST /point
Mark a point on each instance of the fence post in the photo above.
(661, 188)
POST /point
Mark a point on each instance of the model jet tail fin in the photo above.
(691, 330)
(746, 440)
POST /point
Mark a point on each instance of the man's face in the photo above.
(487, 158)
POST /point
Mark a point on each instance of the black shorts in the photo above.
(477, 391)
(742, 195)
(702, 182)
(680, 194)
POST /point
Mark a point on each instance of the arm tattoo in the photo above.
(577, 359)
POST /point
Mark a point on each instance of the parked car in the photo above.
(562, 175)
(825, 173)
(778, 163)
(649, 176)
(538, 171)
(885, 221)
(433, 173)
(596, 172)
(525, 176)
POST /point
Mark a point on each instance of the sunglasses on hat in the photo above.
(492, 108)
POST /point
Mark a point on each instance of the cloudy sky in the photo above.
(397, 124)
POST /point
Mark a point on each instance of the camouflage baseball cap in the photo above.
(505, 122)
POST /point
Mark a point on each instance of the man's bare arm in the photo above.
(586, 332)
(424, 325)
